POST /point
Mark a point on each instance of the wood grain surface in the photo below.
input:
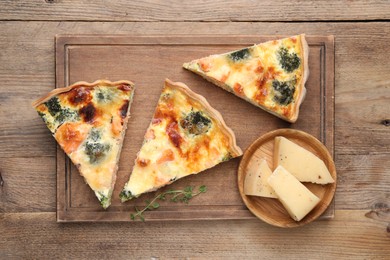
(174, 10)
(349, 235)
(361, 227)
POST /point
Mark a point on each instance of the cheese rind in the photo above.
(256, 180)
(301, 163)
(295, 197)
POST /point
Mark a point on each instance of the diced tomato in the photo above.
(259, 96)
(143, 162)
(116, 126)
(269, 74)
(205, 65)
(225, 77)
(259, 69)
(264, 92)
(173, 132)
(286, 111)
(156, 121)
(166, 156)
(238, 88)
(149, 135)
(293, 39)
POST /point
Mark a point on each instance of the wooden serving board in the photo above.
(147, 61)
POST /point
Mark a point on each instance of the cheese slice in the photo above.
(295, 197)
(301, 163)
(256, 180)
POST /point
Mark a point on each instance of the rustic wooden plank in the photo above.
(174, 10)
(361, 112)
(350, 234)
(363, 181)
(28, 184)
(23, 133)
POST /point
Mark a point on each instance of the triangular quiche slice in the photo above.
(269, 75)
(88, 121)
(186, 136)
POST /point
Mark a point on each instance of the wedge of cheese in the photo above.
(301, 163)
(256, 180)
(295, 197)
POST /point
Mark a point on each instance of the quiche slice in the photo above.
(186, 136)
(269, 75)
(88, 121)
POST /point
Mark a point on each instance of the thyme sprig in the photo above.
(183, 195)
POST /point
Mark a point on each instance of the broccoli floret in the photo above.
(42, 115)
(103, 96)
(104, 201)
(196, 123)
(100, 96)
(288, 61)
(94, 135)
(59, 113)
(126, 195)
(284, 91)
(96, 150)
(239, 55)
(66, 115)
(227, 157)
(53, 105)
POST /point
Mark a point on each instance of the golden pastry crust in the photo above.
(79, 84)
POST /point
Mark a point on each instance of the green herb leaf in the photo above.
(176, 196)
(156, 205)
(188, 189)
(203, 189)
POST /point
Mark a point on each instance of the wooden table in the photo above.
(361, 226)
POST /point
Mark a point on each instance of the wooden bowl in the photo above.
(271, 210)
